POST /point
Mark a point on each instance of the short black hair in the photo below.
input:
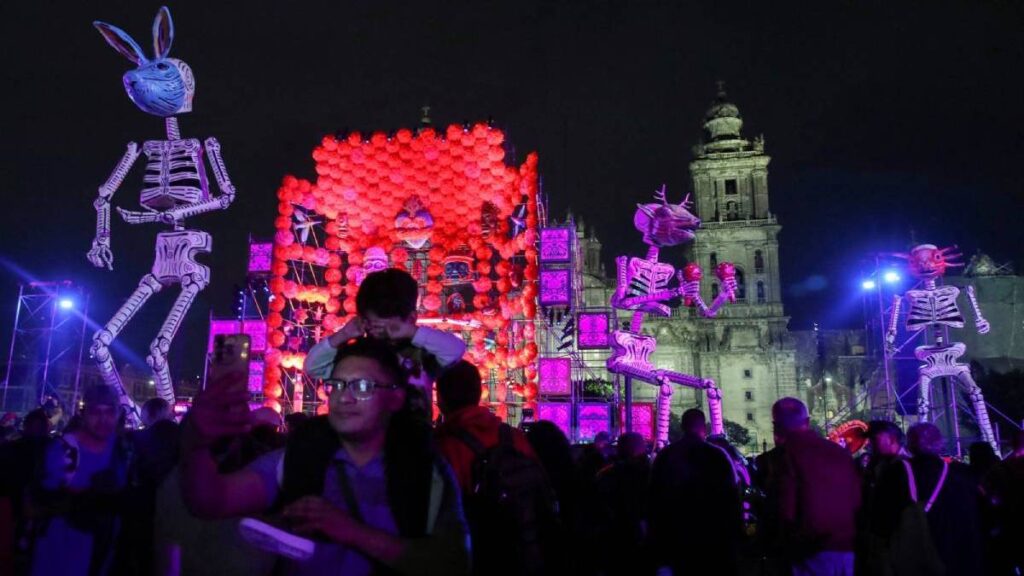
(390, 293)
(155, 408)
(789, 414)
(893, 429)
(458, 386)
(385, 355)
(37, 416)
(693, 421)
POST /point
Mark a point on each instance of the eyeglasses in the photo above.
(361, 388)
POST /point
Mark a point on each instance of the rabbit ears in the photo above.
(163, 36)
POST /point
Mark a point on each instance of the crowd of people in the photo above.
(374, 486)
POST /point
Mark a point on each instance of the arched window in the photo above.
(741, 285)
(713, 260)
(732, 210)
(714, 290)
(758, 262)
(760, 292)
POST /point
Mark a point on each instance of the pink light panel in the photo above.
(260, 256)
(592, 330)
(218, 327)
(643, 419)
(555, 287)
(593, 418)
(555, 376)
(556, 412)
(255, 376)
(556, 245)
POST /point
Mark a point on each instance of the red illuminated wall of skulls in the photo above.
(443, 206)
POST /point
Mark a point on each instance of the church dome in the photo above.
(722, 120)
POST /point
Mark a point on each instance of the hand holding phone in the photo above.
(222, 409)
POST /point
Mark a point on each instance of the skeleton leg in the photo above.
(664, 411)
(715, 408)
(980, 410)
(191, 285)
(104, 336)
(924, 398)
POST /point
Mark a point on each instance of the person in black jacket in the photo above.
(953, 516)
(694, 513)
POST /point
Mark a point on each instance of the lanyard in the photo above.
(913, 484)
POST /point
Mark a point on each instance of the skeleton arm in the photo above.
(979, 321)
(890, 333)
(690, 291)
(100, 254)
(623, 281)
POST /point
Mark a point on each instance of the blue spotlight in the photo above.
(868, 284)
(891, 277)
(66, 304)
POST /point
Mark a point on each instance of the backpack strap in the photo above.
(505, 436)
(470, 441)
(912, 484)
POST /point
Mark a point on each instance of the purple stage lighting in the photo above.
(868, 285)
(891, 277)
(66, 304)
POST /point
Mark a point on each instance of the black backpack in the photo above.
(510, 507)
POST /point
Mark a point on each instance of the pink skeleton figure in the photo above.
(935, 307)
(175, 187)
(643, 287)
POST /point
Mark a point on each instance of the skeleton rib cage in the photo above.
(933, 307)
(169, 163)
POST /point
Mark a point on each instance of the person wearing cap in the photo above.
(82, 478)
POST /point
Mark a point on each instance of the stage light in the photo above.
(66, 304)
(868, 285)
(891, 277)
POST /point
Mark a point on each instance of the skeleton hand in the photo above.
(132, 217)
(982, 325)
(101, 256)
(726, 273)
(890, 344)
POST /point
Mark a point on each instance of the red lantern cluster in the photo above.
(443, 206)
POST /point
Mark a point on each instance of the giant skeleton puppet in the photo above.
(933, 306)
(175, 187)
(643, 287)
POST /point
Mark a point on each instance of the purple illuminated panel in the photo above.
(555, 375)
(556, 245)
(592, 331)
(257, 331)
(260, 257)
(555, 287)
(255, 376)
(643, 419)
(223, 327)
(594, 418)
(557, 412)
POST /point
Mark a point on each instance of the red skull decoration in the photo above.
(929, 261)
(414, 223)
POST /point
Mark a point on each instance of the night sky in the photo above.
(887, 122)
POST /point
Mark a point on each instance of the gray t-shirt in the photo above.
(369, 488)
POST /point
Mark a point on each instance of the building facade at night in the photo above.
(747, 349)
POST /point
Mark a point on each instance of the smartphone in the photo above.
(229, 366)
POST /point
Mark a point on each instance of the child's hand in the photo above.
(354, 328)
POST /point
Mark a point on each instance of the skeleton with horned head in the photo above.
(643, 287)
(932, 307)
